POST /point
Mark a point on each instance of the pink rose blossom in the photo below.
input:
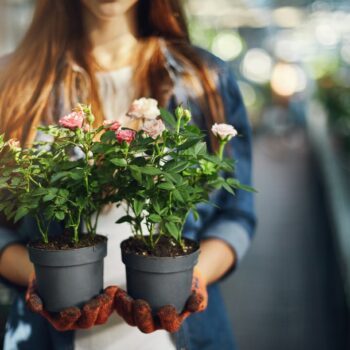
(144, 108)
(224, 131)
(112, 125)
(153, 127)
(125, 135)
(73, 120)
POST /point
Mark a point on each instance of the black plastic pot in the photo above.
(66, 278)
(160, 280)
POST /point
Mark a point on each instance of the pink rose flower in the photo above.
(125, 135)
(73, 120)
(112, 125)
(144, 108)
(224, 131)
(153, 127)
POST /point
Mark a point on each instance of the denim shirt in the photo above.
(232, 220)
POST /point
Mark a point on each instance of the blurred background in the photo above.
(292, 63)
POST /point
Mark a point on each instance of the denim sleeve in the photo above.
(234, 219)
(8, 237)
(9, 233)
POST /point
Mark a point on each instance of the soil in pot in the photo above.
(163, 275)
(68, 274)
(166, 247)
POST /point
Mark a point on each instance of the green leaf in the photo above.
(168, 118)
(200, 148)
(155, 218)
(38, 192)
(233, 182)
(156, 206)
(59, 176)
(64, 193)
(178, 195)
(176, 166)
(108, 136)
(174, 218)
(59, 215)
(125, 218)
(78, 174)
(173, 177)
(228, 188)
(136, 174)
(138, 206)
(248, 188)
(119, 162)
(149, 170)
(195, 214)
(166, 186)
(49, 197)
(15, 181)
(189, 143)
(172, 230)
(60, 200)
(20, 213)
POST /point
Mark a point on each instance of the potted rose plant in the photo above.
(57, 180)
(161, 174)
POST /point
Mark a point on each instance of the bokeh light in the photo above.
(227, 45)
(287, 79)
(257, 65)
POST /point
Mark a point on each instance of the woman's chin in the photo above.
(108, 9)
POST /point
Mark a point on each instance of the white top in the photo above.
(116, 92)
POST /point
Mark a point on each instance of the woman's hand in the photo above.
(138, 312)
(94, 312)
(134, 312)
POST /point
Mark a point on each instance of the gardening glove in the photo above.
(94, 312)
(138, 312)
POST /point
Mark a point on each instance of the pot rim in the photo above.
(68, 257)
(161, 264)
(29, 246)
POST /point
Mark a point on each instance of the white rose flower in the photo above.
(224, 131)
(144, 108)
(153, 127)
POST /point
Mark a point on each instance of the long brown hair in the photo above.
(56, 41)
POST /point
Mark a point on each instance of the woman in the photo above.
(108, 52)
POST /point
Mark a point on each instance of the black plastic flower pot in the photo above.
(160, 280)
(69, 277)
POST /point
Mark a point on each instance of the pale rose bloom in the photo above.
(224, 131)
(86, 128)
(91, 162)
(14, 144)
(153, 127)
(112, 125)
(144, 108)
(73, 120)
(125, 135)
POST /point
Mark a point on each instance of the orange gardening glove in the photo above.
(138, 312)
(94, 312)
